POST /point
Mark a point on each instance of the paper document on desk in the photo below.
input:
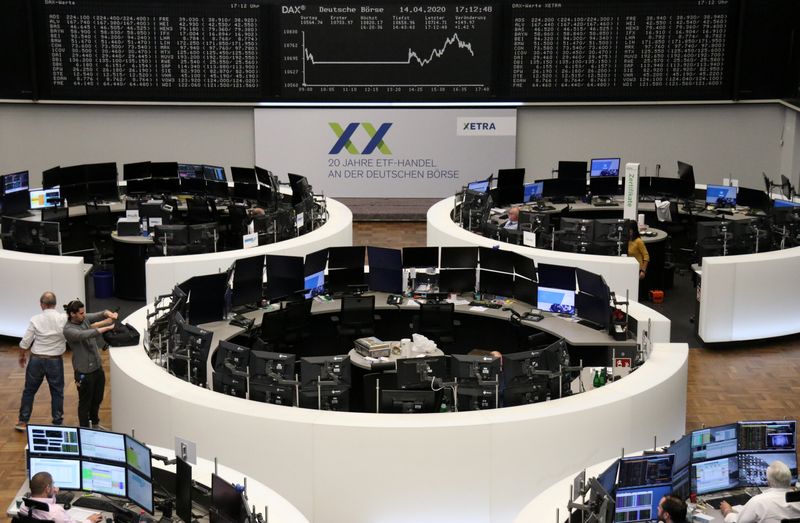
(80, 514)
(458, 301)
(477, 308)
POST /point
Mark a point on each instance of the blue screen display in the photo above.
(532, 191)
(556, 300)
(314, 284)
(481, 186)
(786, 203)
(721, 195)
(639, 504)
(605, 167)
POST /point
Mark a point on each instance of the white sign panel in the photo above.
(401, 153)
(631, 201)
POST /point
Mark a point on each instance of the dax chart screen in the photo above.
(375, 51)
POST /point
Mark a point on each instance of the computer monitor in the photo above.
(183, 491)
(473, 367)
(714, 442)
(284, 276)
(164, 169)
(173, 235)
(753, 198)
(315, 262)
(593, 284)
(103, 191)
(657, 186)
(497, 283)
(786, 187)
(346, 257)
(476, 397)
(558, 276)
(532, 192)
(247, 286)
(190, 170)
(138, 456)
(140, 491)
(682, 450)
(139, 186)
(271, 365)
(214, 173)
(231, 358)
(767, 436)
(604, 186)
(206, 297)
(102, 445)
(639, 504)
(343, 280)
(753, 466)
(715, 474)
(333, 369)
(648, 470)
(496, 259)
(525, 365)
(420, 257)
(103, 478)
(245, 191)
(101, 172)
(686, 176)
(597, 310)
(560, 301)
(608, 478)
(243, 175)
(192, 185)
(51, 177)
(385, 280)
(197, 342)
(479, 187)
(15, 182)
(572, 170)
(457, 280)
(682, 482)
(577, 227)
(409, 401)
(66, 472)
(459, 257)
(525, 290)
(136, 171)
(314, 284)
(226, 501)
(53, 440)
(510, 177)
(413, 373)
(563, 187)
(75, 194)
(604, 167)
(721, 195)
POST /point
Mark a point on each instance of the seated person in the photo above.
(672, 510)
(770, 506)
(43, 490)
(512, 222)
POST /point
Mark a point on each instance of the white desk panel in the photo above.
(459, 467)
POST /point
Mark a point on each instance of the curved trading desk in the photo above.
(621, 273)
(337, 466)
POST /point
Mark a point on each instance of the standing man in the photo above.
(84, 333)
(45, 339)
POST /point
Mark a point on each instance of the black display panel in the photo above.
(388, 51)
(90, 49)
(623, 49)
(15, 41)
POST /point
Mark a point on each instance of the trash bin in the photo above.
(103, 284)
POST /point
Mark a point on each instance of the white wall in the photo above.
(738, 139)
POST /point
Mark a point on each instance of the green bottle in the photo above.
(603, 375)
(596, 380)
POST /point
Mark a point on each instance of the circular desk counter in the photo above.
(468, 466)
(163, 272)
(621, 273)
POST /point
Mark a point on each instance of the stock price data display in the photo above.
(584, 49)
(145, 50)
(387, 51)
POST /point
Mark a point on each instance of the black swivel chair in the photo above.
(437, 322)
(55, 214)
(297, 324)
(792, 497)
(101, 223)
(356, 319)
(237, 226)
(271, 333)
(200, 210)
(32, 504)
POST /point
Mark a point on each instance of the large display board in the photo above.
(150, 50)
(621, 49)
(401, 50)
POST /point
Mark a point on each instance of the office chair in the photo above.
(356, 319)
(201, 210)
(236, 226)
(101, 223)
(32, 504)
(437, 322)
(297, 323)
(272, 329)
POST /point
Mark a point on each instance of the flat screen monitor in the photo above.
(138, 456)
(786, 203)
(686, 176)
(510, 177)
(76, 194)
(457, 280)
(409, 401)
(420, 257)
(497, 283)
(66, 472)
(525, 290)
(753, 198)
(642, 471)
(572, 170)
(314, 284)
(479, 187)
(532, 192)
(459, 257)
(639, 504)
(248, 281)
(101, 172)
(183, 491)
(593, 284)
(190, 170)
(473, 367)
(103, 478)
(288, 267)
(218, 189)
(102, 445)
(15, 182)
(103, 191)
(596, 310)
(605, 186)
(231, 356)
(346, 257)
(51, 177)
(243, 175)
(206, 297)
(496, 259)
(164, 169)
(265, 177)
(245, 191)
(54, 440)
(753, 466)
(563, 187)
(604, 167)
(325, 368)
(656, 186)
(139, 186)
(413, 373)
(681, 482)
(171, 235)
(192, 185)
(73, 175)
(214, 173)
(556, 300)
(721, 195)
(385, 280)
(682, 449)
(557, 276)
(136, 171)
(140, 491)
(340, 280)
(608, 478)
(225, 501)
(166, 185)
(767, 436)
(715, 474)
(272, 365)
(382, 258)
(315, 262)
(714, 442)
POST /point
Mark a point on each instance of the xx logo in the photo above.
(344, 136)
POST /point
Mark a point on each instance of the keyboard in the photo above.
(605, 204)
(487, 304)
(64, 497)
(96, 503)
(736, 499)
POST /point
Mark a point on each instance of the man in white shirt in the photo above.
(512, 222)
(45, 339)
(44, 491)
(770, 506)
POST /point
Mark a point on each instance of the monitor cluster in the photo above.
(108, 463)
(704, 461)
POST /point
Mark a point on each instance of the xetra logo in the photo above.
(344, 135)
(479, 126)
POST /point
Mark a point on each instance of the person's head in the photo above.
(42, 485)
(779, 475)
(513, 214)
(47, 301)
(75, 311)
(633, 230)
(671, 508)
